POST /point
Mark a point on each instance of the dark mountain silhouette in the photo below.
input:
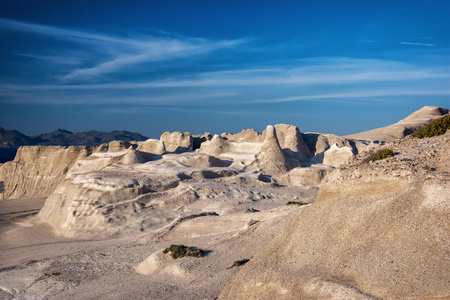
(61, 137)
(14, 139)
(10, 140)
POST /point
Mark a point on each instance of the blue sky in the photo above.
(152, 66)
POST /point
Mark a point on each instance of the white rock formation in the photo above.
(152, 146)
(242, 152)
(320, 142)
(402, 128)
(215, 146)
(375, 231)
(115, 146)
(246, 135)
(177, 141)
(37, 170)
(271, 158)
(135, 157)
(116, 192)
(291, 141)
(312, 176)
(335, 156)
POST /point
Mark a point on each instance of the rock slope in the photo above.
(402, 128)
(375, 230)
(37, 170)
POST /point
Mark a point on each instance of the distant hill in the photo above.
(10, 140)
(14, 139)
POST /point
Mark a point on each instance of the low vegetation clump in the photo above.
(296, 203)
(253, 222)
(385, 153)
(179, 251)
(238, 263)
(436, 128)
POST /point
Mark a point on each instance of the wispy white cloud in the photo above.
(314, 79)
(99, 55)
(356, 94)
(110, 54)
(319, 71)
(418, 44)
(70, 60)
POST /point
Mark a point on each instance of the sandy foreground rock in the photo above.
(375, 230)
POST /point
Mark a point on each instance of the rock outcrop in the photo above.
(375, 230)
(271, 158)
(246, 135)
(113, 192)
(335, 156)
(402, 128)
(244, 147)
(152, 146)
(198, 139)
(115, 146)
(312, 176)
(320, 142)
(177, 141)
(216, 146)
(291, 141)
(242, 153)
(37, 170)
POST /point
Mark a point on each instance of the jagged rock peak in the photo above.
(271, 157)
(217, 146)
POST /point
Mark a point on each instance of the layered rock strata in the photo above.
(37, 170)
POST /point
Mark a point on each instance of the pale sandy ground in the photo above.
(35, 264)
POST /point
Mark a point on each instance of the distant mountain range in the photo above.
(61, 137)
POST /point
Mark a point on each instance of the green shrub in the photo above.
(296, 203)
(239, 263)
(436, 128)
(178, 251)
(382, 154)
(253, 222)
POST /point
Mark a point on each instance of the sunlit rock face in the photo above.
(177, 141)
(412, 123)
(246, 135)
(109, 193)
(37, 170)
(375, 230)
(291, 141)
(271, 158)
(115, 146)
(152, 146)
